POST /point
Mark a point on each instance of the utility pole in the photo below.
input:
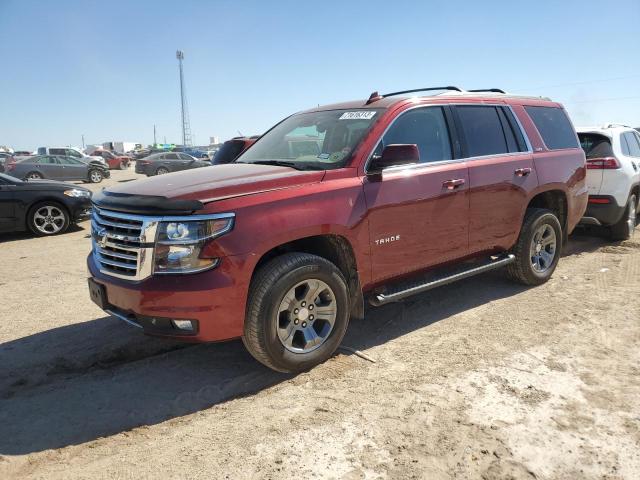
(186, 128)
(83, 141)
(154, 135)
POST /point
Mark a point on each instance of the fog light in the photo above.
(183, 325)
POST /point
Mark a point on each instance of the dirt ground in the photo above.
(479, 379)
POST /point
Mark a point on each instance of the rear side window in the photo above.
(483, 131)
(632, 144)
(424, 127)
(595, 146)
(554, 127)
(171, 156)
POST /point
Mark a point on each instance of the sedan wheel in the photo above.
(95, 176)
(48, 219)
(162, 171)
(34, 176)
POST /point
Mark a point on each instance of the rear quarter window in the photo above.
(554, 127)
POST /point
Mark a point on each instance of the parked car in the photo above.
(71, 152)
(21, 153)
(161, 163)
(120, 162)
(193, 152)
(44, 207)
(231, 149)
(56, 167)
(613, 177)
(281, 248)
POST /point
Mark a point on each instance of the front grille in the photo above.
(123, 243)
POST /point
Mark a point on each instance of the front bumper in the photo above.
(214, 299)
(605, 213)
(80, 209)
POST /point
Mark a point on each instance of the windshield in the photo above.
(314, 141)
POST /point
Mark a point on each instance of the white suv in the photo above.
(613, 177)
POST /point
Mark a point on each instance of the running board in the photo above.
(384, 298)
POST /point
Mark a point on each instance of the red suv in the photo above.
(367, 200)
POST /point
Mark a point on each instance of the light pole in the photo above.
(186, 128)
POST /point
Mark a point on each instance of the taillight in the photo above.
(604, 163)
(599, 200)
(10, 165)
(144, 162)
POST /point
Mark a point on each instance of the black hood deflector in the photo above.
(144, 204)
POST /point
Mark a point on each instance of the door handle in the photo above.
(522, 172)
(453, 184)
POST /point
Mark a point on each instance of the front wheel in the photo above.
(623, 230)
(297, 312)
(538, 248)
(48, 218)
(95, 176)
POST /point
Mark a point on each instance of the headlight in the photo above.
(179, 244)
(76, 192)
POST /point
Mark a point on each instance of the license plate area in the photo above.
(98, 294)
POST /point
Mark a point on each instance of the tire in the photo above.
(266, 322)
(623, 230)
(122, 166)
(48, 218)
(162, 171)
(536, 258)
(95, 176)
(34, 176)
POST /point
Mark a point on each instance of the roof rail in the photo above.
(375, 96)
(494, 90)
(612, 125)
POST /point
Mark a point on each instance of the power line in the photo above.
(586, 82)
(595, 100)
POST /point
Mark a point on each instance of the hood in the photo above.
(49, 185)
(218, 182)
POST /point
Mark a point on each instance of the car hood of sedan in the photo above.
(209, 184)
(42, 184)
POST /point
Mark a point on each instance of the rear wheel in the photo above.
(123, 165)
(95, 176)
(34, 176)
(48, 218)
(162, 171)
(538, 248)
(623, 230)
(297, 312)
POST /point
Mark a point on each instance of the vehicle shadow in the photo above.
(89, 388)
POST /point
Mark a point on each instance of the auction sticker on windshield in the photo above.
(362, 115)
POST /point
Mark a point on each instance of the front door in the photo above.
(418, 214)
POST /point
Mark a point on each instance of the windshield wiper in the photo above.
(278, 163)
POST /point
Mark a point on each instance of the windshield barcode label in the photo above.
(363, 115)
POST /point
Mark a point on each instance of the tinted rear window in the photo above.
(595, 145)
(554, 127)
(228, 152)
(482, 130)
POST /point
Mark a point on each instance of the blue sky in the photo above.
(107, 69)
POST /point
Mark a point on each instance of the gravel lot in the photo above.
(480, 379)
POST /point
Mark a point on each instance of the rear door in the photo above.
(417, 217)
(501, 174)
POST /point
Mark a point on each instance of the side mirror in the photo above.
(394, 155)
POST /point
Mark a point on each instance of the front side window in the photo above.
(554, 127)
(69, 161)
(313, 141)
(483, 131)
(425, 127)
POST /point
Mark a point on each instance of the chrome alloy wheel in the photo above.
(306, 316)
(543, 248)
(96, 176)
(49, 219)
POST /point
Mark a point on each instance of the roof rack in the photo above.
(613, 125)
(375, 96)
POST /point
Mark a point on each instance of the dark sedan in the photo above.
(161, 163)
(45, 207)
(57, 167)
